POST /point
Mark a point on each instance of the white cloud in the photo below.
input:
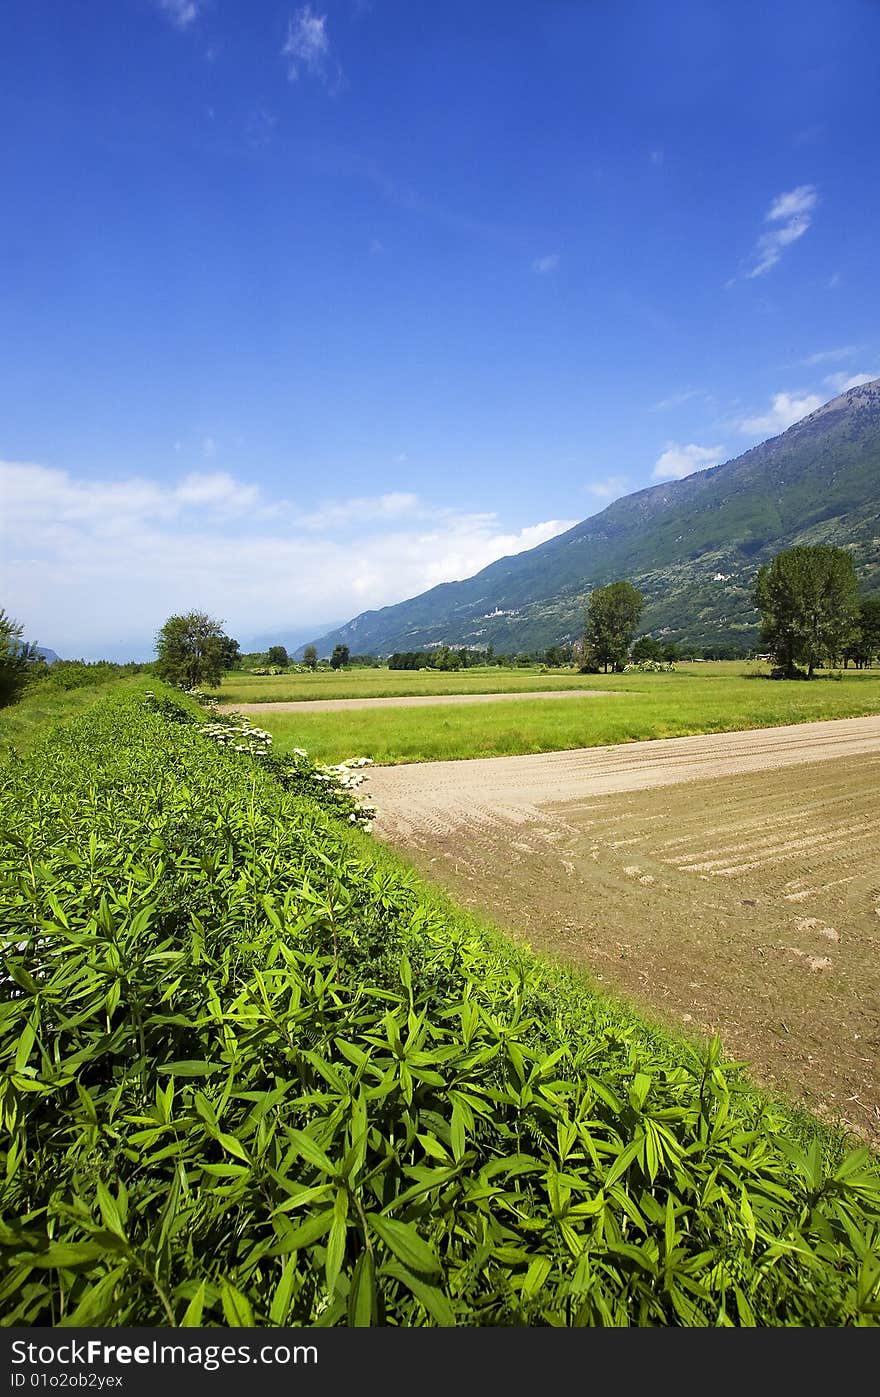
(95, 566)
(181, 12)
(307, 45)
(677, 461)
(794, 204)
(830, 356)
(608, 489)
(842, 382)
(543, 265)
(337, 514)
(787, 408)
(792, 214)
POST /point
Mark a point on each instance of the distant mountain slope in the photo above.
(692, 546)
(48, 655)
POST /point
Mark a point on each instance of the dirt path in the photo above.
(747, 905)
(408, 701)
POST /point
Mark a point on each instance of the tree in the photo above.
(864, 647)
(310, 657)
(339, 658)
(231, 653)
(647, 648)
(17, 659)
(192, 649)
(277, 655)
(808, 600)
(612, 616)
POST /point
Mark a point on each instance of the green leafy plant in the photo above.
(250, 1071)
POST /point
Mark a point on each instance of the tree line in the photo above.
(812, 615)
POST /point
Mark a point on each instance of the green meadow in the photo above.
(401, 683)
(696, 699)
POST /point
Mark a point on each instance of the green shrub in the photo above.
(252, 1073)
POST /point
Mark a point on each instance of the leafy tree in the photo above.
(192, 649)
(339, 658)
(809, 604)
(18, 659)
(310, 657)
(277, 655)
(864, 647)
(647, 648)
(557, 656)
(612, 616)
(231, 653)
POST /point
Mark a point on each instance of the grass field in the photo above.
(696, 699)
(398, 683)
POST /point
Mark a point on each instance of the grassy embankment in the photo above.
(633, 707)
(254, 1071)
(45, 706)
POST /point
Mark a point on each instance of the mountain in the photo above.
(48, 655)
(691, 546)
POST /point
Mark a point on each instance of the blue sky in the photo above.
(306, 308)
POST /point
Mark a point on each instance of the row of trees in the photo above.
(810, 607)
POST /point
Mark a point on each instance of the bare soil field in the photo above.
(408, 701)
(727, 883)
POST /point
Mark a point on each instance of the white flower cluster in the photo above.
(650, 667)
(207, 700)
(256, 742)
(347, 773)
(239, 737)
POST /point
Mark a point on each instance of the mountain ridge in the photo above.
(692, 546)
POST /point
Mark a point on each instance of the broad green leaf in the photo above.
(192, 1315)
(404, 1241)
(190, 1068)
(362, 1296)
(236, 1307)
(433, 1299)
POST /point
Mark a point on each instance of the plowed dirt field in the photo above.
(728, 883)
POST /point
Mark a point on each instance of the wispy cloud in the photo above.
(678, 461)
(842, 382)
(543, 265)
(790, 214)
(338, 514)
(830, 356)
(307, 47)
(182, 13)
(785, 410)
(106, 561)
